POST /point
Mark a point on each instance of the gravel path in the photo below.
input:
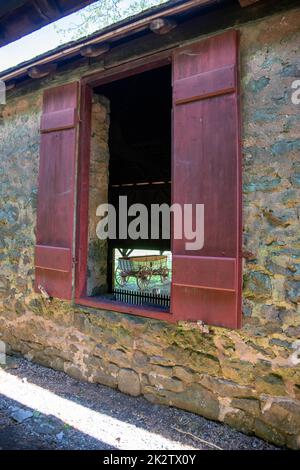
(44, 409)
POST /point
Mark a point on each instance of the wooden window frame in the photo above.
(134, 67)
(87, 85)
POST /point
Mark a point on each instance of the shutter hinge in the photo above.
(44, 293)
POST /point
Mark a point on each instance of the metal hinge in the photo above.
(44, 293)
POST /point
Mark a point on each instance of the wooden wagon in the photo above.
(142, 268)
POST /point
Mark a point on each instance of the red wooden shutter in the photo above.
(55, 213)
(206, 170)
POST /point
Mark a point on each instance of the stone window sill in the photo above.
(99, 302)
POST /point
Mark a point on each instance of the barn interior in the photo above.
(140, 168)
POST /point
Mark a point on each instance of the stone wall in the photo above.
(98, 194)
(248, 378)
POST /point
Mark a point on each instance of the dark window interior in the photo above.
(140, 149)
(140, 127)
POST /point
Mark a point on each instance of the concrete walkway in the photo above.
(44, 409)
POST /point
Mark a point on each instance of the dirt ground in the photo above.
(44, 409)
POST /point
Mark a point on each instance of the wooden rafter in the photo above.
(162, 25)
(41, 71)
(95, 51)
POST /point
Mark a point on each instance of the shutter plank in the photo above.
(206, 283)
(58, 120)
(55, 213)
(204, 272)
(205, 85)
(210, 306)
(53, 258)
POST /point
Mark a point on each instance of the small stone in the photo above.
(268, 433)
(166, 383)
(285, 146)
(293, 331)
(238, 371)
(271, 384)
(263, 183)
(195, 399)
(247, 308)
(47, 426)
(281, 343)
(19, 308)
(270, 239)
(204, 363)
(258, 285)
(118, 357)
(21, 415)
(75, 372)
(282, 413)
(183, 374)
(250, 406)
(293, 291)
(104, 378)
(162, 361)
(162, 371)
(140, 361)
(226, 388)
(293, 442)
(259, 84)
(280, 218)
(273, 313)
(128, 382)
(240, 420)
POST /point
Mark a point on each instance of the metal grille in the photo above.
(149, 299)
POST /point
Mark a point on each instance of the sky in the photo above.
(35, 43)
(43, 40)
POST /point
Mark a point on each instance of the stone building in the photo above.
(94, 116)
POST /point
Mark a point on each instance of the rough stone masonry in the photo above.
(248, 378)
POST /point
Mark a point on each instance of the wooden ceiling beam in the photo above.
(162, 25)
(41, 71)
(95, 51)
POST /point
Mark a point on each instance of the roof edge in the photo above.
(113, 32)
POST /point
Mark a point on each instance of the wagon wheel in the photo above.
(121, 277)
(143, 278)
(164, 275)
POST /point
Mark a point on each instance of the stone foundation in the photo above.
(248, 378)
(223, 375)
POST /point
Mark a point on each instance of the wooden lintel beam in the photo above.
(162, 25)
(94, 51)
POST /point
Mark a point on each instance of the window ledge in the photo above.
(121, 307)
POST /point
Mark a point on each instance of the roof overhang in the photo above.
(21, 17)
(165, 16)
